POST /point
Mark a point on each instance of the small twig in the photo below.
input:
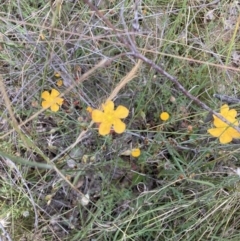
(130, 38)
(228, 99)
(135, 22)
(4, 233)
(108, 23)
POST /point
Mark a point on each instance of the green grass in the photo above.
(182, 187)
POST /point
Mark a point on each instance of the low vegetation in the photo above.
(119, 120)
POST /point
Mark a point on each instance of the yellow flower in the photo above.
(51, 100)
(136, 152)
(110, 117)
(59, 83)
(164, 116)
(223, 131)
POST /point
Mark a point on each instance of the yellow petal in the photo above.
(45, 95)
(108, 106)
(97, 116)
(59, 101)
(232, 113)
(225, 138)
(218, 123)
(118, 126)
(54, 107)
(228, 113)
(121, 112)
(216, 132)
(104, 129)
(233, 133)
(45, 104)
(224, 110)
(54, 93)
(233, 121)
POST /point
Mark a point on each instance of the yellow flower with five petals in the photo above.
(110, 117)
(223, 131)
(51, 100)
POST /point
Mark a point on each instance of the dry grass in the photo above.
(183, 186)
